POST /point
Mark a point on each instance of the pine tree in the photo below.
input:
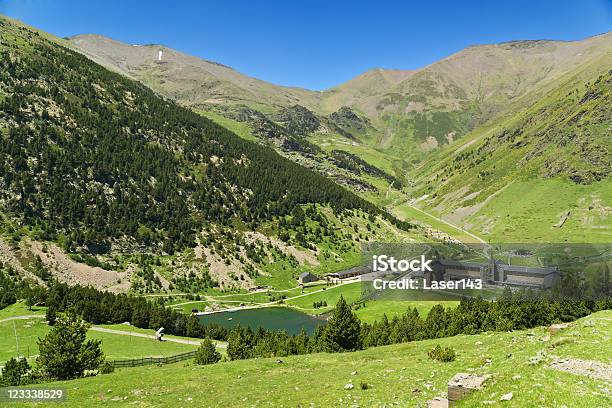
(302, 342)
(239, 342)
(342, 333)
(436, 322)
(207, 353)
(14, 372)
(65, 352)
(51, 315)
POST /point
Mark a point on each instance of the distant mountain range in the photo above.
(136, 179)
(409, 111)
(489, 76)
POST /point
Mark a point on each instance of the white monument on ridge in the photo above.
(159, 55)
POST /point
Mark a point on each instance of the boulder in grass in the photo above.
(463, 384)
(438, 402)
(556, 328)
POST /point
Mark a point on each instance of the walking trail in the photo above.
(123, 333)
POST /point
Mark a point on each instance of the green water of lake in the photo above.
(271, 318)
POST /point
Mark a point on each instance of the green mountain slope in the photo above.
(455, 94)
(102, 166)
(520, 175)
(413, 111)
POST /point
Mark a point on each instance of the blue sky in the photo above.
(316, 44)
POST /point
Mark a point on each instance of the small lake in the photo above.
(270, 318)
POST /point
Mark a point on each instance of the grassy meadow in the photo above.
(114, 346)
(541, 204)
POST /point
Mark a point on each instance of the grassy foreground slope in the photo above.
(397, 375)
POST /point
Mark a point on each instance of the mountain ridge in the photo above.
(463, 90)
(130, 57)
(385, 71)
(418, 119)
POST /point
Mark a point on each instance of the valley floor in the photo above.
(369, 311)
(397, 375)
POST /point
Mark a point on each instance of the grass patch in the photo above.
(541, 204)
(20, 309)
(115, 346)
(404, 211)
(351, 293)
(372, 311)
(239, 128)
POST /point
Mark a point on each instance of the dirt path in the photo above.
(476, 237)
(122, 333)
(593, 369)
(25, 317)
(150, 336)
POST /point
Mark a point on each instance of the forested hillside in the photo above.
(418, 136)
(282, 118)
(98, 162)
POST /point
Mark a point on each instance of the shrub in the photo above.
(322, 303)
(107, 368)
(15, 372)
(445, 354)
(207, 353)
(51, 315)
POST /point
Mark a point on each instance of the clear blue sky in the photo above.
(316, 44)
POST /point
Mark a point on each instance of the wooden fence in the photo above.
(153, 360)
